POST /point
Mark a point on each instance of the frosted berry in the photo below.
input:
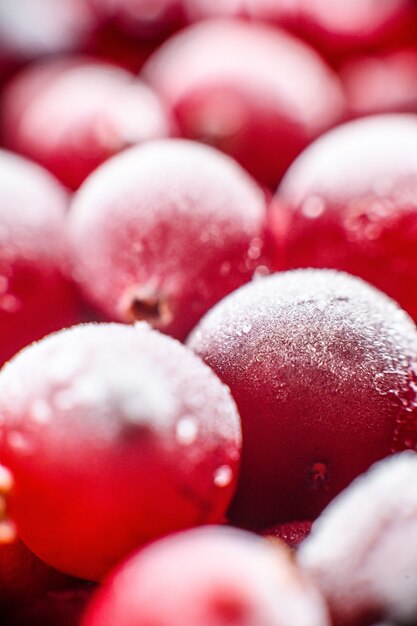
(323, 370)
(163, 231)
(341, 27)
(35, 299)
(257, 94)
(382, 83)
(207, 576)
(350, 202)
(361, 549)
(74, 114)
(114, 435)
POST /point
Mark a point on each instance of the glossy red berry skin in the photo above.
(360, 551)
(323, 370)
(340, 28)
(247, 90)
(75, 114)
(350, 203)
(381, 83)
(214, 576)
(154, 240)
(114, 435)
(35, 298)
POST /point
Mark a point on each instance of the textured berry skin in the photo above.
(207, 576)
(154, 240)
(323, 370)
(35, 299)
(292, 533)
(344, 26)
(114, 435)
(350, 202)
(237, 86)
(382, 83)
(74, 114)
(360, 551)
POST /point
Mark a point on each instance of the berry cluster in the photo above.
(208, 307)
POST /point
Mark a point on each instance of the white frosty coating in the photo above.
(153, 189)
(32, 207)
(310, 316)
(130, 182)
(119, 110)
(100, 380)
(33, 28)
(361, 551)
(366, 156)
(287, 72)
(219, 564)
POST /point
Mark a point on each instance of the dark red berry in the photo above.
(292, 533)
(323, 370)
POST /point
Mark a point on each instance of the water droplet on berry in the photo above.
(41, 411)
(223, 476)
(19, 441)
(255, 248)
(225, 268)
(10, 303)
(186, 431)
(261, 271)
(313, 207)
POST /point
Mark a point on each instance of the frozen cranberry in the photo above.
(35, 299)
(257, 94)
(361, 550)
(323, 370)
(381, 83)
(350, 202)
(165, 230)
(342, 26)
(213, 576)
(114, 435)
(34, 28)
(73, 115)
(292, 533)
(142, 18)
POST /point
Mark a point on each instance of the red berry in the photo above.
(323, 370)
(145, 19)
(340, 27)
(217, 577)
(257, 94)
(381, 83)
(74, 114)
(34, 28)
(114, 435)
(35, 299)
(163, 231)
(292, 533)
(361, 550)
(350, 202)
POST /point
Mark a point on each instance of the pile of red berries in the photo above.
(208, 298)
